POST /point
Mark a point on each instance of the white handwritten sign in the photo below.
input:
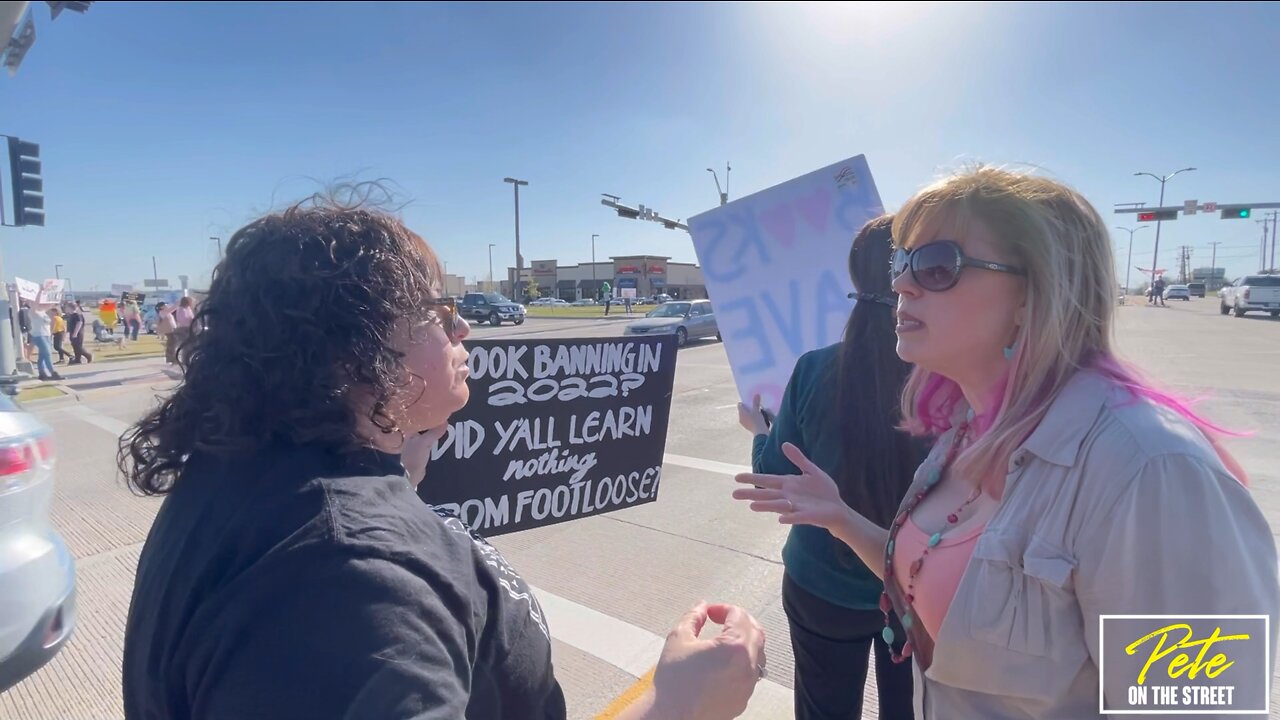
(27, 290)
(775, 265)
(554, 430)
(51, 291)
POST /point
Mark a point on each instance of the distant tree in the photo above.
(531, 290)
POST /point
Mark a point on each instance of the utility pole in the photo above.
(1213, 262)
(155, 274)
(1155, 256)
(1275, 220)
(519, 258)
(1262, 249)
(491, 247)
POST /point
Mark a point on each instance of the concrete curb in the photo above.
(70, 397)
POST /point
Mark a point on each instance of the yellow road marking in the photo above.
(628, 696)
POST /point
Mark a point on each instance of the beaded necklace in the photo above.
(931, 482)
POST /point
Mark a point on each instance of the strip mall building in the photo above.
(648, 275)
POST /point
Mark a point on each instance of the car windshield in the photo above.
(671, 310)
(495, 298)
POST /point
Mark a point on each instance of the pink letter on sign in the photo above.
(816, 208)
(780, 221)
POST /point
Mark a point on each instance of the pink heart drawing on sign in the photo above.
(780, 221)
(816, 208)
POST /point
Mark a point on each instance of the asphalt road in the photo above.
(612, 585)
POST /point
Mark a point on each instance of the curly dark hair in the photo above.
(304, 307)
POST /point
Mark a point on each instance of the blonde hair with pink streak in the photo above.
(1059, 238)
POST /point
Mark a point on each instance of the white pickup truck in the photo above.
(1251, 292)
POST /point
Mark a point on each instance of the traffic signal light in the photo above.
(28, 186)
(1152, 216)
(1236, 212)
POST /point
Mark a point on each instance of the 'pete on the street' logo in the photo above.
(1184, 664)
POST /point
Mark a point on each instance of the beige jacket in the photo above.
(1111, 507)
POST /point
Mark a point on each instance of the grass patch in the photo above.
(144, 346)
(39, 392)
(587, 312)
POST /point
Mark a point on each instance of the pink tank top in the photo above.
(939, 575)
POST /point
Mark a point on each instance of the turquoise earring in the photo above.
(1008, 353)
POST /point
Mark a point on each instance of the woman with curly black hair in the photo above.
(292, 571)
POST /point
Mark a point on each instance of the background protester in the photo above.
(292, 571)
(41, 335)
(75, 329)
(840, 408)
(58, 325)
(1062, 486)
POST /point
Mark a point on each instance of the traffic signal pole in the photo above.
(8, 360)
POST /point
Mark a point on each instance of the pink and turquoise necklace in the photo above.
(935, 476)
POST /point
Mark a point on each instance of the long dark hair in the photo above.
(303, 308)
(879, 459)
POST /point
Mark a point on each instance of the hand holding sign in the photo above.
(754, 419)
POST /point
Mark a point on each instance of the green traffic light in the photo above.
(1244, 213)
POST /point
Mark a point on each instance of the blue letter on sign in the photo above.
(752, 329)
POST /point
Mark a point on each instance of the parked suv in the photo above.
(491, 308)
(1196, 289)
(37, 573)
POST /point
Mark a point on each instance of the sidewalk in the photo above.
(97, 375)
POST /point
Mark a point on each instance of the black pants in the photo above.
(57, 345)
(832, 647)
(77, 350)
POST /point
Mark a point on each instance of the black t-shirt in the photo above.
(299, 583)
(75, 324)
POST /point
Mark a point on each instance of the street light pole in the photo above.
(491, 247)
(219, 240)
(1129, 264)
(594, 282)
(723, 194)
(1155, 256)
(155, 274)
(57, 272)
(515, 185)
(1213, 262)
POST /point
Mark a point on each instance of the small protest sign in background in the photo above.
(775, 264)
(52, 291)
(555, 430)
(27, 290)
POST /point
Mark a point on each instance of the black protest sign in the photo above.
(140, 298)
(555, 430)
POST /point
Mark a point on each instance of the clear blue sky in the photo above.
(164, 123)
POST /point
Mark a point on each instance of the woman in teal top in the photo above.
(840, 409)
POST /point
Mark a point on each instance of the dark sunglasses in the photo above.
(447, 310)
(936, 266)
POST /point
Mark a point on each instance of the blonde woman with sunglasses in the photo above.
(1062, 486)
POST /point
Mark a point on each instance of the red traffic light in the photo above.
(1146, 217)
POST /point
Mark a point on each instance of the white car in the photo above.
(1251, 292)
(37, 573)
(584, 302)
(1177, 292)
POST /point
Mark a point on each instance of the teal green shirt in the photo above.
(807, 418)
